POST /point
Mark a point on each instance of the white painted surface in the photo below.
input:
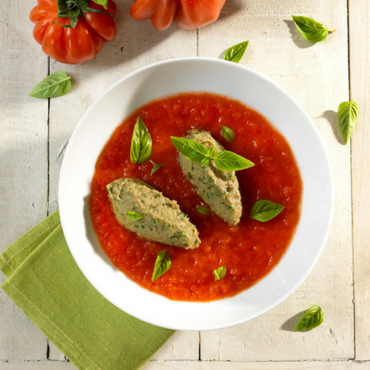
(315, 75)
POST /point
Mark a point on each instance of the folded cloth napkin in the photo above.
(45, 282)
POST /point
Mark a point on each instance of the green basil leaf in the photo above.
(347, 119)
(220, 273)
(228, 134)
(310, 29)
(190, 149)
(236, 52)
(264, 210)
(203, 210)
(57, 84)
(133, 216)
(311, 319)
(141, 143)
(155, 168)
(205, 162)
(211, 152)
(103, 3)
(162, 264)
(229, 161)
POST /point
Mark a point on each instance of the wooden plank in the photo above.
(185, 365)
(317, 76)
(137, 44)
(359, 32)
(23, 157)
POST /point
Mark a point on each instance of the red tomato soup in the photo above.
(249, 250)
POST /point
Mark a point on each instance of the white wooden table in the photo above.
(34, 134)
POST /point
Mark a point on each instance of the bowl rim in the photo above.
(63, 213)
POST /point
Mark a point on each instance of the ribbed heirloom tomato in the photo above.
(188, 14)
(73, 31)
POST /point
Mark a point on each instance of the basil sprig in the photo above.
(196, 152)
(265, 210)
(155, 168)
(134, 216)
(57, 84)
(162, 264)
(220, 273)
(203, 210)
(311, 319)
(347, 119)
(310, 29)
(228, 134)
(236, 52)
(141, 143)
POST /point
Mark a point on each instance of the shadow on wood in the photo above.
(297, 37)
(291, 323)
(332, 117)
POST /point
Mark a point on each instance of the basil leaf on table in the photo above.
(347, 119)
(57, 84)
(236, 52)
(134, 216)
(310, 29)
(220, 273)
(203, 210)
(190, 149)
(229, 161)
(265, 210)
(155, 168)
(162, 264)
(141, 143)
(103, 3)
(228, 134)
(311, 319)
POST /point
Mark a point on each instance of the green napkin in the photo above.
(45, 282)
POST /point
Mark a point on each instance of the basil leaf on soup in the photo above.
(220, 273)
(141, 143)
(133, 216)
(311, 319)
(347, 119)
(236, 52)
(265, 210)
(162, 264)
(155, 168)
(203, 210)
(190, 149)
(229, 161)
(228, 134)
(57, 84)
(310, 29)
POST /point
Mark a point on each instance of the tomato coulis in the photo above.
(249, 250)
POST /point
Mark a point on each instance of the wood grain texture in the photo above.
(317, 76)
(136, 45)
(23, 163)
(184, 365)
(359, 32)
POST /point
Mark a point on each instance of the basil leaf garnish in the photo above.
(347, 119)
(155, 168)
(203, 210)
(310, 29)
(103, 3)
(162, 264)
(133, 216)
(196, 152)
(311, 319)
(190, 149)
(57, 84)
(220, 273)
(229, 161)
(228, 134)
(236, 52)
(141, 144)
(265, 210)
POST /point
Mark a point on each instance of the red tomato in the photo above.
(72, 45)
(188, 14)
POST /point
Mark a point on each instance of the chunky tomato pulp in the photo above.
(249, 250)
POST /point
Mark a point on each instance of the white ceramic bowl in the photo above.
(191, 75)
